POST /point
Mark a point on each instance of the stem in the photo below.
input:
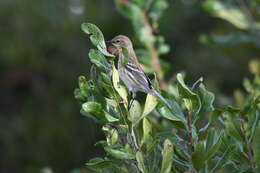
(250, 156)
(153, 52)
(190, 129)
(134, 140)
(129, 166)
(193, 170)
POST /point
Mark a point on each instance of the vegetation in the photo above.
(192, 137)
(43, 51)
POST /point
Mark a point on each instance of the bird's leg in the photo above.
(132, 100)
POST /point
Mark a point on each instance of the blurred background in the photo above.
(43, 51)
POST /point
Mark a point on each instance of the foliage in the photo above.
(242, 15)
(192, 137)
(43, 49)
(144, 16)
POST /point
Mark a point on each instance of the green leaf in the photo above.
(150, 104)
(112, 136)
(254, 126)
(110, 118)
(233, 129)
(120, 153)
(123, 8)
(175, 114)
(191, 99)
(237, 155)
(171, 135)
(94, 109)
(233, 125)
(221, 161)
(231, 14)
(46, 170)
(118, 87)
(83, 86)
(256, 148)
(157, 9)
(136, 15)
(247, 85)
(232, 111)
(152, 145)
(215, 115)
(207, 99)
(135, 112)
(101, 143)
(254, 67)
(140, 161)
(167, 157)
(78, 95)
(99, 164)
(213, 142)
(82, 93)
(199, 156)
(106, 83)
(96, 37)
(99, 60)
(111, 102)
(147, 129)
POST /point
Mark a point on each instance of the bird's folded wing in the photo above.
(137, 74)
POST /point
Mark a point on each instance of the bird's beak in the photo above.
(109, 42)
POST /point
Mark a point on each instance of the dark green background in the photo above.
(43, 51)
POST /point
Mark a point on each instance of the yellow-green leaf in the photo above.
(120, 153)
(191, 99)
(167, 155)
(95, 109)
(121, 90)
(231, 14)
(150, 104)
(135, 112)
(96, 37)
(147, 129)
(140, 161)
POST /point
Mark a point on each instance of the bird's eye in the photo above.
(117, 41)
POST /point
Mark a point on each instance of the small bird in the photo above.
(130, 71)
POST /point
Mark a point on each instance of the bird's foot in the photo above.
(122, 101)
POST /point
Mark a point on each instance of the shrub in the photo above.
(193, 136)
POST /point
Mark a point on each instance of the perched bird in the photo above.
(130, 71)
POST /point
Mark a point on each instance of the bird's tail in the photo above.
(158, 95)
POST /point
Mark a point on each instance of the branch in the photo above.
(154, 54)
(193, 170)
(249, 153)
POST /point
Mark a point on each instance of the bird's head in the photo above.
(117, 42)
(122, 41)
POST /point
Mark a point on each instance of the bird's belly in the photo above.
(125, 78)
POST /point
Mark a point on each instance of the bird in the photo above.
(130, 70)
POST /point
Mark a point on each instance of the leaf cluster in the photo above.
(193, 136)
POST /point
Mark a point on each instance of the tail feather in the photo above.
(158, 95)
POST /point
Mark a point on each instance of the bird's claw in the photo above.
(122, 101)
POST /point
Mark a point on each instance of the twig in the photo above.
(250, 156)
(193, 170)
(153, 52)
(246, 10)
(190, 129)
(129, 166)
(134, 140)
